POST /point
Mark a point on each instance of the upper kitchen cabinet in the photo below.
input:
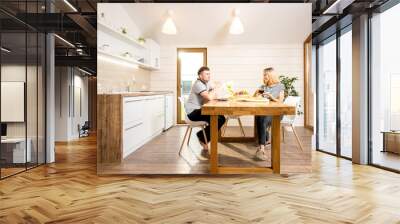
(120, 39)
(154, 53)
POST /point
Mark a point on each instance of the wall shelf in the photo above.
(129, 60)
(119, 35)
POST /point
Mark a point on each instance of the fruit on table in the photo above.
(241, 93)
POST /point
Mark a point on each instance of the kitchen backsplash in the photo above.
(114, 78)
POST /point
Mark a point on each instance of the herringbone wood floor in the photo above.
(69, 191)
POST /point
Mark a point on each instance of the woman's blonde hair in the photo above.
(272, 77)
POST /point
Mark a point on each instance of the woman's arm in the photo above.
(256, 93)
(280, 98)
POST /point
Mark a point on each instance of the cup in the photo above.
(266, 94)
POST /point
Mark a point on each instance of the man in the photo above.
(200, 94)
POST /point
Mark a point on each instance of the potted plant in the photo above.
(288, 82)
(290, 90)
(141, 40)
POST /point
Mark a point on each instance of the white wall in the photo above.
(66, 119)
(242, 64)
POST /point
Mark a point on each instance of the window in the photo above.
(385, 89)
(22, 77)
(346, 93)
(327, 96)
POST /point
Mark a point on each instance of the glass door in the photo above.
(22, 79)
(326, 96)
(385, 90)
(189, 61)
(346, 92)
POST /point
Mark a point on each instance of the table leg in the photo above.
(214, 144)
(276, 144)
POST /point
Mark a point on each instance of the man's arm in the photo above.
(208, 95)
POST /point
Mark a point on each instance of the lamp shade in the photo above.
(236, 25)
(169, 25)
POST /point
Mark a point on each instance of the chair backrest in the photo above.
(292, 101)
(183, 104)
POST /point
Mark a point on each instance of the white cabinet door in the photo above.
(169, 111)
(154, 53)
(133, 138)
(133, 110)
(156, 112)
(133, 124)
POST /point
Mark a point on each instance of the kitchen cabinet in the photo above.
(143, 120)
(126, 122)
(153, 53)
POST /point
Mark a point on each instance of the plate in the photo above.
(262, 100)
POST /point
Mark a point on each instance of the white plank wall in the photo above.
(242, 64)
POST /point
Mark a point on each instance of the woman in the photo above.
(274, 91)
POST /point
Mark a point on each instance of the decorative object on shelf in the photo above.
(236, 25)
(127, 55)
(104, 47)
(290, 90)
(124, 30)
(131, 84)
(141, 40)
(169, 25)
(103, 18)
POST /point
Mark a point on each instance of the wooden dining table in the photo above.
(234, 107)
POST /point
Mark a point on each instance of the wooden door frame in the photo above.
(307, 53)
(203, 50)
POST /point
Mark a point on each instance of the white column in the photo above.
(360, 90)
(50, 99)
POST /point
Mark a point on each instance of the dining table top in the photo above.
(239, 107)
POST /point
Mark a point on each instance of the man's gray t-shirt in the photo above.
(195, 101)
(275, 90)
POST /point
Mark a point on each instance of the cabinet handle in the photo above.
(130, 101)
(134, 126)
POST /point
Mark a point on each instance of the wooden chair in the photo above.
(230, 117)
(288, 120)
(191, 125)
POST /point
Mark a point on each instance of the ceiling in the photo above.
(199, 23)
(79, 27)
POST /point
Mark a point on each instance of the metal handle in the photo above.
(134, 126)
(130, 101)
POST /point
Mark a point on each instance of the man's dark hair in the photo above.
(202, 69)
(269, 69)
